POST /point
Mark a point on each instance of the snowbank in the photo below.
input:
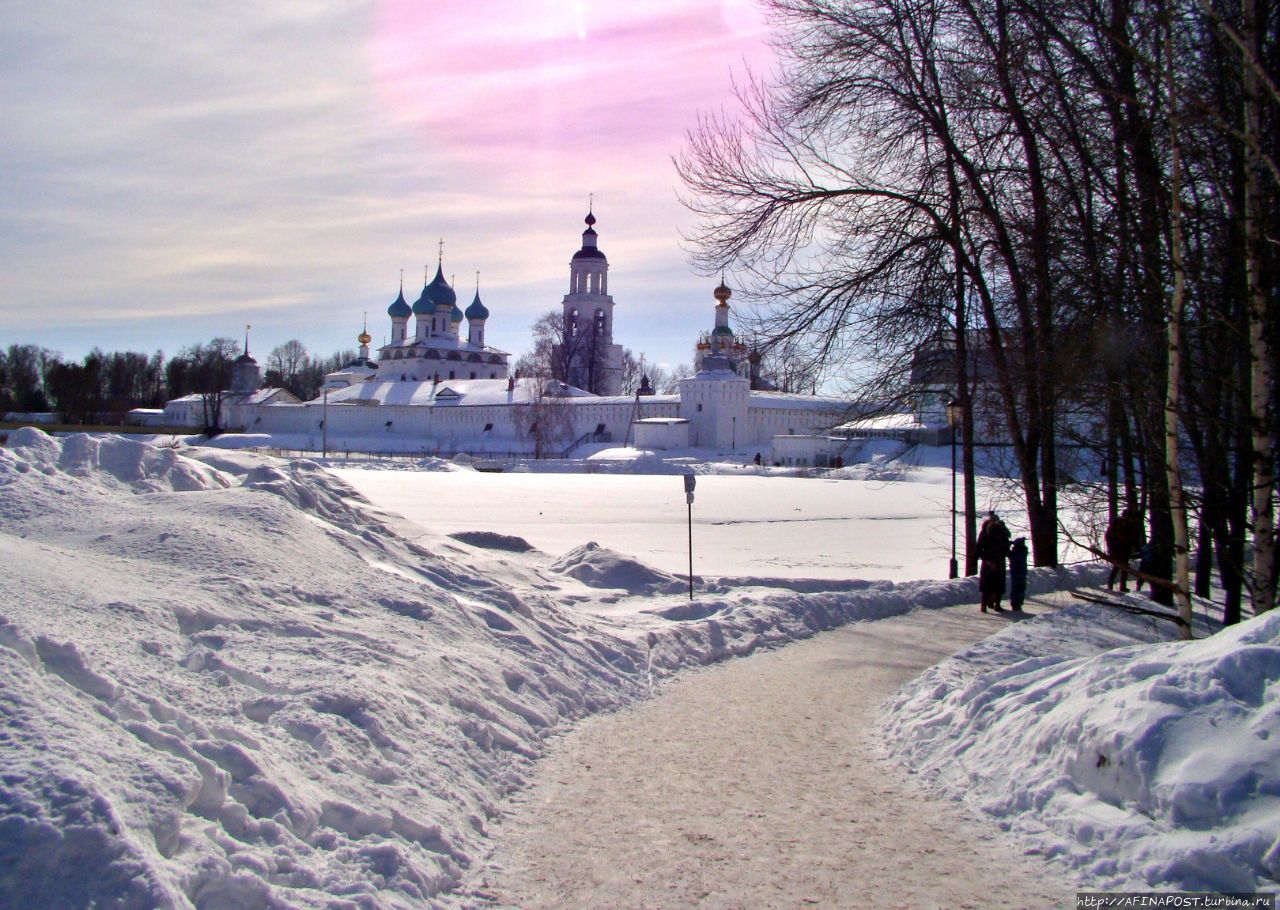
(232, 686)
(598, 567)
(1152, 765)
(227, 681)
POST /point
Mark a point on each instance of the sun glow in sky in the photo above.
(170, 172)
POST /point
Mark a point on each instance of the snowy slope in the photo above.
(1136, 765)
(228, 681)
(224, 690)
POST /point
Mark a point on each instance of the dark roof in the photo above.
(477, 310)
(398, 307)
(441, 294)
(589, 253)
(423, 304)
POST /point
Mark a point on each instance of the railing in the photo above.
(577, 442)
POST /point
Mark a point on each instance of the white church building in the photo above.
(434, 391)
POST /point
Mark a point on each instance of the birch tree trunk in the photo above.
(1173, 470)
(1262, 583)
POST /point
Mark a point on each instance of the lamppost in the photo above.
(324, 424)
(955, 417)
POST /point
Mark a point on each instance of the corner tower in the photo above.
(246, 378)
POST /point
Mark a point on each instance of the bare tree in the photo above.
(210, 369)
(669, 383)
(841, 194)
(289, 361)
(545, 419)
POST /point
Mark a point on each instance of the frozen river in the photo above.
(742, 525)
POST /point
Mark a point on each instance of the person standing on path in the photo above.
(1018, 574)
(1123, 539)
(992, 551)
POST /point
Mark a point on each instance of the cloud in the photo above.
(183, 166)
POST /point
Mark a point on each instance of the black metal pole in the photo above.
(955, 566)
(690, 496)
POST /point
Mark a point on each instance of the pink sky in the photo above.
(255, 164)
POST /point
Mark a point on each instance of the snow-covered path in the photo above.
(759, 783)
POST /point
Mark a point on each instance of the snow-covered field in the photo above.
(228, 680)
(747, 525)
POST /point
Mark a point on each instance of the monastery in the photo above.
(434, 391)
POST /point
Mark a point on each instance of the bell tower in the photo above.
(591, 360)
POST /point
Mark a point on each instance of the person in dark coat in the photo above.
(1123, 540)
(1018, 574)
(992, 551)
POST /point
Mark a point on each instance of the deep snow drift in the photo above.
(1137, 766)
(223, 685)
(228, 680)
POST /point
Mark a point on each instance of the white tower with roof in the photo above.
(592, 361)
(716, 400)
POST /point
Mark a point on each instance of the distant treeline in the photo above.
(103, 385)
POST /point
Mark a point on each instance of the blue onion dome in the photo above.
(477, 309)
(456, 316)
(245, 358)
(399, 309)
(423, 305)
(439, 292)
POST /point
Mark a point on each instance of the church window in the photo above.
(451, 376)
(699, 408)
(473, 374)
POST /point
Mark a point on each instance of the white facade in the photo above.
(716, 403)
(432, 391)
(661, 433)
(813, 451)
